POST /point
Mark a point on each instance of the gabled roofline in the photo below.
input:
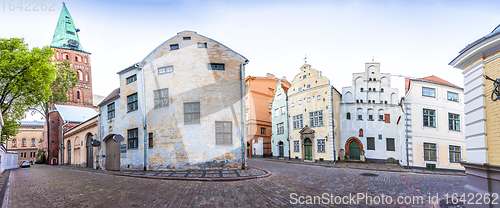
(133, 66)
(67, 131)
(411, 80)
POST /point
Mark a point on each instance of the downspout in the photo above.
(62, 148)
(145, 129)
(406, 133)
(99, 137)
(243, 146)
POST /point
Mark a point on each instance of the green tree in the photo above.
(25, 80)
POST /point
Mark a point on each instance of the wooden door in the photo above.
(281, 150)
(307, 149)
(90, 152)
(354, 151)
(112, 155)
(69, 152)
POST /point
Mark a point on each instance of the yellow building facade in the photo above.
(480, 62)
(314, 117)
(27, 141)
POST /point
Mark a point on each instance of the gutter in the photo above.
(243, 146)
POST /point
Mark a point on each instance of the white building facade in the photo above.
(434, 130)
(370, 117)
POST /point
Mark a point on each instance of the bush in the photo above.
(40, 161)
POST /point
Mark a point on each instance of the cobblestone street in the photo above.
(52, 186)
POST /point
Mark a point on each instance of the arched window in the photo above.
(380, 114)
(76, 58)
(373, 101)
(348, 116)
(67, 57)
(370, 114)
(348, 97)
(370, 89)
(370, 79)
(360, 114)
(374, 89)
(360, 132)
(361, 101)
(33, 142)
(369, 101)
(385, 102)
(361, 89)
(80, 75)
(14, 142)
(382, 90)
(77, 94)
(357, 101)
(24, 143)
(374, 79)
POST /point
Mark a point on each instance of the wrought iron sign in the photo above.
(496, 91)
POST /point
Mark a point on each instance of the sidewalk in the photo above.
(193, 175)
(371, 166)
(4, 180)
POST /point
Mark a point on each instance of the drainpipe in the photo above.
(99, 138)
(243, 146)
(145, 129)
(406, 133)
(62, 148)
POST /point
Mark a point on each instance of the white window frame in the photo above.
(300, 122)
(166, 69)
(423, 152)
(461, 153)
(321, 145)
(296, 146)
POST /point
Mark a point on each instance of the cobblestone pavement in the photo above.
(48, 186)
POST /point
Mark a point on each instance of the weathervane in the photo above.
(496, 90)
(305, 59)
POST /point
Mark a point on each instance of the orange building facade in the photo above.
(259, 97)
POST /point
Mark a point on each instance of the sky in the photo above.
(408, 38)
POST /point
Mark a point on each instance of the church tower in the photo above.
(68, 48)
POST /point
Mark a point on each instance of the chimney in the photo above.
(270, 76)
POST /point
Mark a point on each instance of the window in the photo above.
(293, 104)
(167, 69)
(76, 58)
(191, 113)
(280, 128)
(360, 114)
(111, 110)
(370, 114)
(174, 47)
(67, 57)
(370, 79)
(429, 118)
(133, 138)
(348, 116)
(300, 89)
(33, 142)
(80, 75)
(369, 101)
(223, 132)
(361, 101)
(303, 77)
(270, 105)
(300, 102)
(282, 110)
(361, 90)
(278, 97)
(382, 90)
(453, 96)
(390, 144)
(298, 122)
(316, 118)
(321, 145)
(202, 45)
(308, 99)
(150, 140)
(131, 79)
(186, 38)
(132, 104)
(374, 89)
(380, 137)
(374, 79)
(454, 122)
(370, 141)
(161, 98)
(276, 112)
(429, 92)
(318, 97)
(23, 143)
(373, 72)
(308, 86)
(455, 154)
(370, 89)
(77, 94)
(217, 66)
(14, 142)
(296, 146)
(263, 131)
(380, 115)
(429, 152)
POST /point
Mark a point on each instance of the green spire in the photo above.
(66, 34)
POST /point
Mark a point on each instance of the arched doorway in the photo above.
(307, 149)
(90, 151)
(354, 151)
(112, 153)
(69, 152)
(281, 149)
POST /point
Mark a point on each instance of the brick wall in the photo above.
(492, 69)
(55, 136)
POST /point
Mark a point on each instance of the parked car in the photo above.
(25, 164)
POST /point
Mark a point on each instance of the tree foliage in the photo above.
(25, 80)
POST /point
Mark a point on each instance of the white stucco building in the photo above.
(370, 117)
(434, 130)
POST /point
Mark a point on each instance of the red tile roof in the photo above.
(437, 80)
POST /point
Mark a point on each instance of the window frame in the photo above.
(263, 130)
(204, 44)
(321, 145)
(133, 140)
(387, 144)
(131, 79)
(428, 89)
(455, 152)
(192, 113)
(452, 98)
(161, 98)
(298, 121)
(454, 123)
(111, 112)
(174, 47)
(348, 116)
(150, 140)
(296, 146)
(280, 128)
(132, 105)
(316, 120)
(215, 66)
(430, 150)
(223, 133)
(166, 69)
(368, 147)
(428, 119)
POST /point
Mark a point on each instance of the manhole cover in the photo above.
(369, 174)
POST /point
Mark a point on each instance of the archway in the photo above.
(90, 151)
(358, 146)
(307, 149)
(281, 149)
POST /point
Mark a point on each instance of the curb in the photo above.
(386, 170)
(198, 179)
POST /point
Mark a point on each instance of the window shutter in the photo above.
(387, 118)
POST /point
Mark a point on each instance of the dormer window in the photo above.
(186, 38)
(174, 47)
